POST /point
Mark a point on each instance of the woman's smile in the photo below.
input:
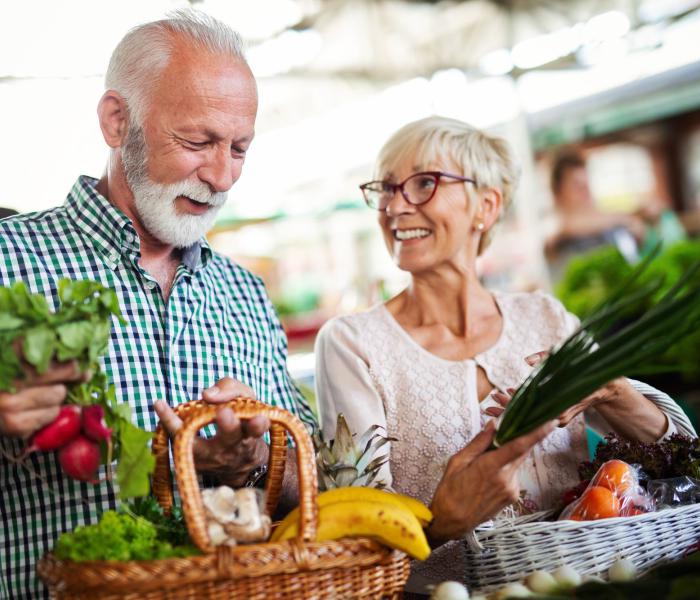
(411, 235)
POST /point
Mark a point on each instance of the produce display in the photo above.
(592, 276)
(91, 428)
(392, 519)
(603, 348)
(677, 456)
(614, 491)
(353, 503)
(679, 580)
(139, 531)
(642, 474)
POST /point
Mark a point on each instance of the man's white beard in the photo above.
(155, 202)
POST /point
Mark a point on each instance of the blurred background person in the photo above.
(581, 225)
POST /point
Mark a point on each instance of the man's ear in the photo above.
(491, 205)
(112, 113)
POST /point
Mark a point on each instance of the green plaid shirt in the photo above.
(218, 322)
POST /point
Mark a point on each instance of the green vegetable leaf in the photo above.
(37, 346)
(9, 322)
(136, 462)
(76, 336)
(110, 301)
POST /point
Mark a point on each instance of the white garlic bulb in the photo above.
(622, 570)
(541, 582)
(450, 590)
(567, 576)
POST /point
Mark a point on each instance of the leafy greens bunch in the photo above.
(600, 351)
(120, 536)
(676, 456)
(32, 334)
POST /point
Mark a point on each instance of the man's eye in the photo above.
(196, 145)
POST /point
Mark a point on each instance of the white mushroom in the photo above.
(250, 524)
(235, 515)
(217, 535)
(221, 504)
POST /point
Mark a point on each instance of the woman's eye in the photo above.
(195, 145)
(426, 183)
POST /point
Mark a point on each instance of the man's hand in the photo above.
(37, 401)
(237, 448)
(477, 484)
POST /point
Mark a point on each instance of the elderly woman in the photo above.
(433, 363)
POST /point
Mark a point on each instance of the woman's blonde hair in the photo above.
(488, 159)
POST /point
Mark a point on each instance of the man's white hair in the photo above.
(143, 53)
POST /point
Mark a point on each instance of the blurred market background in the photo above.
(615, 81)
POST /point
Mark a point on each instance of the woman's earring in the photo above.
(480, 226)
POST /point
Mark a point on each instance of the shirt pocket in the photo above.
(254, 375)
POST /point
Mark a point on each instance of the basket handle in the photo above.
(197, 414)
(162, 477)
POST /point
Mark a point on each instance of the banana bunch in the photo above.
(392, 519)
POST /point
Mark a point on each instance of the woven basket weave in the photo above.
(511, 551)
(298, 568)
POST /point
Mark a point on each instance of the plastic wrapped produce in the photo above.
(614, 491)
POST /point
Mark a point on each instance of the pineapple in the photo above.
(342, 462)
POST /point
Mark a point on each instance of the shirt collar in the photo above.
(112, 232)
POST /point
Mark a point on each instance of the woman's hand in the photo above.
(604, 394)
(477, 484)
(629, 413)
(237, 448)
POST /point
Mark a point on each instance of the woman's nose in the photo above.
(398, 204)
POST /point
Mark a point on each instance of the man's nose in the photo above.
(221, 170)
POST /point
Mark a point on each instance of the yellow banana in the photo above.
(355, 494)
(390, 524)
(359, 494)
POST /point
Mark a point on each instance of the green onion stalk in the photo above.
(601, 350)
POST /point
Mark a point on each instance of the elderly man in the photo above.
(178, 115)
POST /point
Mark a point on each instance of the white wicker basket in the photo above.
(511, 551)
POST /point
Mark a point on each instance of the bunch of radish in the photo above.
(76, 433)
(92, 427)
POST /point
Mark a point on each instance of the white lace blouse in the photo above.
(371, 370)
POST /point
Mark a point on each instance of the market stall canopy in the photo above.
(335, 77)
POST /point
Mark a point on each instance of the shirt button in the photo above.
(150, 285)
(129, 238)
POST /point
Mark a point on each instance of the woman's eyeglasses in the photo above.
(416, 189)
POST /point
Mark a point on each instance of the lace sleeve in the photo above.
(344, 385)
(678, 421)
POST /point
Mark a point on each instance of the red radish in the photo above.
(57, 433)
(80, 459)
(94, 425)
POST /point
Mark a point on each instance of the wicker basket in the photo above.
(511, 551)
(298, 568)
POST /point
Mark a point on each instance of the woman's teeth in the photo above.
(410, 234)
